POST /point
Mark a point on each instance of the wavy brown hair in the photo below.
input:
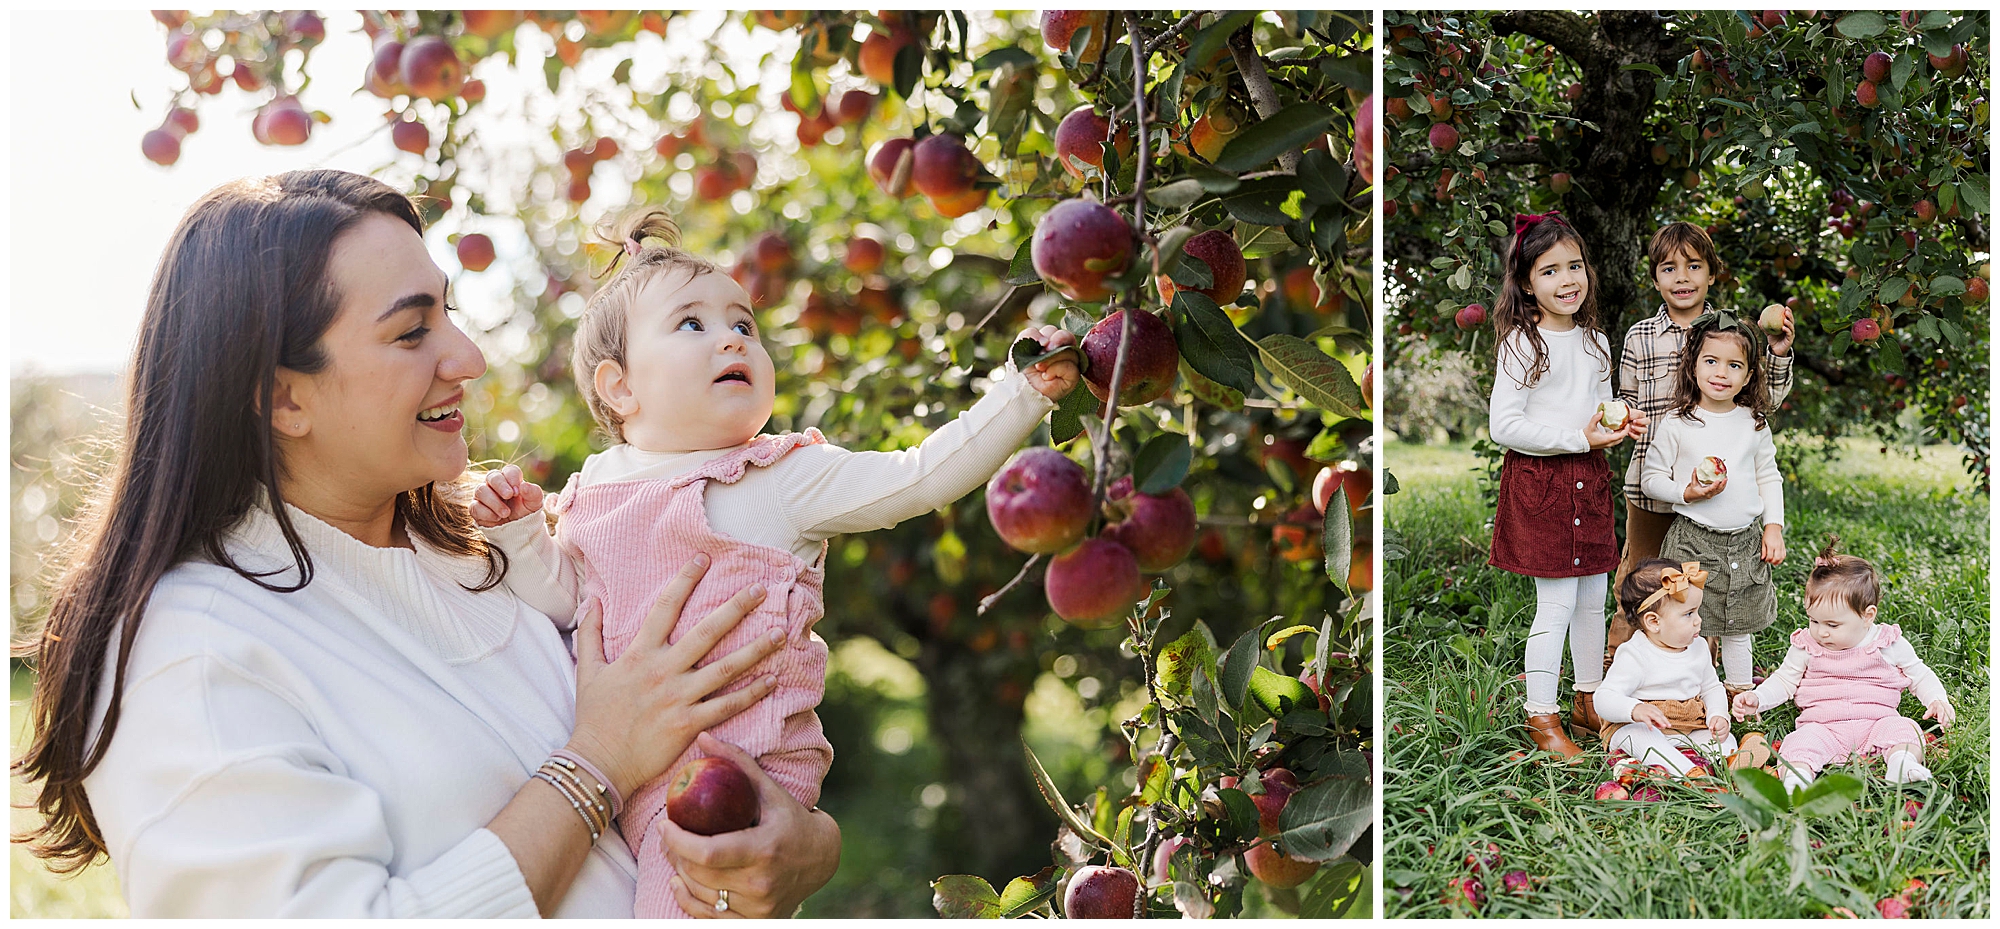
(240, 291)
(1687, 382)
(1849, 578)
(1514, 309)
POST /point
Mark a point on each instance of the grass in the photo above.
(1456, 780)
(32, 890)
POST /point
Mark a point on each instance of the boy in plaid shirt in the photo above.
(1683, 262)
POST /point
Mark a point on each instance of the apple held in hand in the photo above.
(1772, 320)
(710, 796)
(1613, 414)
(1710, 470)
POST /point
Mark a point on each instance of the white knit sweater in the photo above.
(1755, 491)
(1548, 418)
(338, 750)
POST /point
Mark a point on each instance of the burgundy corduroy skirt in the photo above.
(1554, 517)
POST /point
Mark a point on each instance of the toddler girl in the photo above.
(669, 357)
(1848, 674)
(1733, 522)
(1554, 517)
(1661, 696)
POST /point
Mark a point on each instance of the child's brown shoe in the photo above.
(1583, 721)
(1752, 752)
(1546, 731)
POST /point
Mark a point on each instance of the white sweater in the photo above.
(336, 751)
(1548, 418)
(1643, 671)
(812, 494)
(1784, 682)
(1755, 489)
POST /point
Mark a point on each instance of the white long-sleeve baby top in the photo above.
(1754, 490)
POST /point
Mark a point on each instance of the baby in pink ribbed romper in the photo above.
(1848, 674)
(669, 357)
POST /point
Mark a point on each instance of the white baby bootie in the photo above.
(1904, 768)
(1796, 779)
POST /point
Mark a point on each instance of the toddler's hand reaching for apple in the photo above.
(1941, 711)
(1745, 704)
(504, 497)
(1652, 716)
(1056, 377)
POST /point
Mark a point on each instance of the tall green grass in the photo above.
(1458, 776)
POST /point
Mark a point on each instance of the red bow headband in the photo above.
(1526, 221)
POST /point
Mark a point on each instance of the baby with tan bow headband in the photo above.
(1661, 696)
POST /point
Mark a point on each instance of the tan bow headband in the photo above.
(1674, 582)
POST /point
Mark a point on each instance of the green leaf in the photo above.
(1761, 789)
(1944, 285)
(1287, 130)
(1831, 793)
(1205, 41)
(1015, 55)
(1973, 191)
(1337, 539)
(1066, 422)
(1892, 290)
(908, 68)
(1862, 25)
(1213, 181)
(1207, 391)
(1177, 194)
(1056, 802)
(1267, 201)
(1338, 890)
(1643, 66)
(1755, 818)
(964, 896)
(1236, 666)
(1322, 178)
(1277, 694)
(1321, 822)
(1162, 463)
(1182, 658)
(1900, 69)
(1243, 817)
(1320, 380)
(1356, 72)
(1024, 894)
(1209, 342)
(1021, 270)
(1027, 353)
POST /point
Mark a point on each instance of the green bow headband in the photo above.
(1719, 319)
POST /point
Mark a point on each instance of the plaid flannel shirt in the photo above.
(1646, 381)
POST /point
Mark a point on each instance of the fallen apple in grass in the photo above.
(710, 796)
(1612, 790)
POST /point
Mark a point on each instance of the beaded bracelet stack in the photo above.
(597, 802)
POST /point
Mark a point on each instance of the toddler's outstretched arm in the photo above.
(508, 510)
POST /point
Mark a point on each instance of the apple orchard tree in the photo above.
(1839, 161)
(901, 191)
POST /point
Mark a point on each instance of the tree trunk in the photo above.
(1614, 168)
(995, 824)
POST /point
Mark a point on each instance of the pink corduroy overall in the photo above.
(632, 538)
(1847, 703)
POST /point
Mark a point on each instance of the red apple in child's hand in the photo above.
(1613, 413)
(1100, 892)
(710, 796)
(1772, 320)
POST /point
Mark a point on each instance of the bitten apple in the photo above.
(1613, 413)
(1710, 469)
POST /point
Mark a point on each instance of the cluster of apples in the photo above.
(1470, 892)
(581, 161)
(1041, 503)
(849, 108)
(720, 173)
(832, 311)
(948, 175)
(281, 121)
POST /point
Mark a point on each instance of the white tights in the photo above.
(1736, 660)
(1572, 605)
(1650, 746)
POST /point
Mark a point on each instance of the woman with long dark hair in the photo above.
(281, 675)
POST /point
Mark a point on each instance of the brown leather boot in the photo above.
(1752, 752)
(1583, 721)
(1546, 731)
